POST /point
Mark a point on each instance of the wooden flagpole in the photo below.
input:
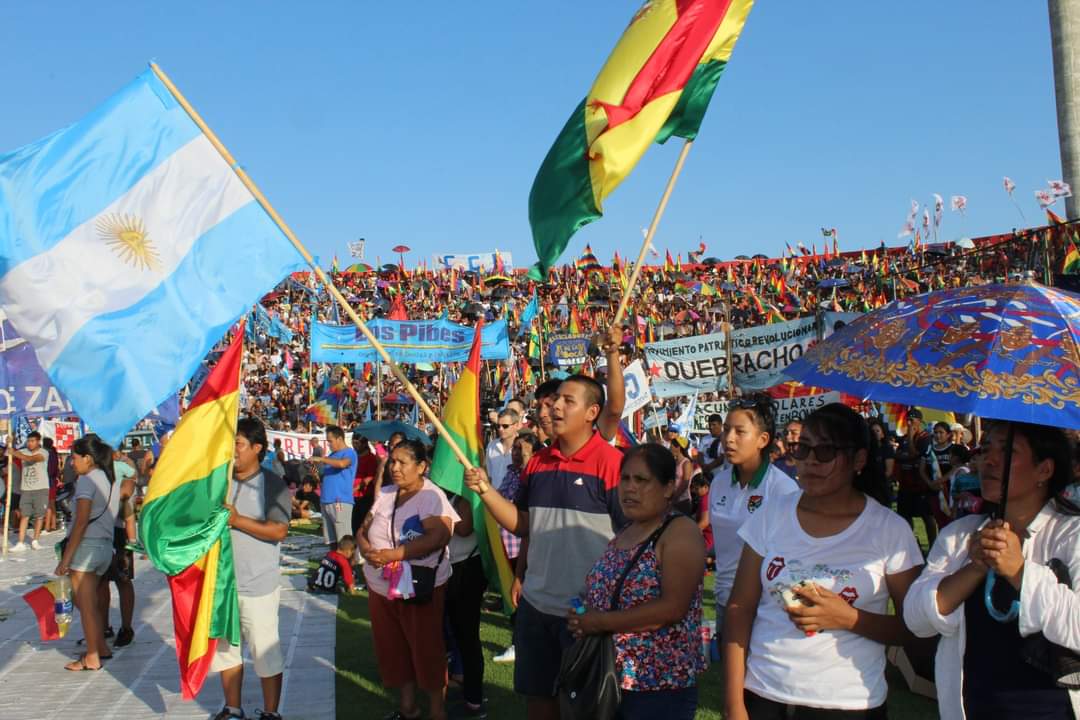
(10, 431)
(319, 273)
(625, 301)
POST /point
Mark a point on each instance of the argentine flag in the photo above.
(128, 247)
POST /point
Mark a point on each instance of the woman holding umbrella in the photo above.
(990, 631)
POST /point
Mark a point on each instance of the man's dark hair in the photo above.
(34, 435)
(594, 391)
(547, 389)
(335, 431)
(254, 432)
(47, 443)
(716, 417)
(135, 442)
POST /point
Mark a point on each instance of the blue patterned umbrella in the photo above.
(1010, 352)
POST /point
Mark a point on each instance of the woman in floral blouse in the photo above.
(657, 625)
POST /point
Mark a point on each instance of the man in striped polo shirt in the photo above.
(568, 509)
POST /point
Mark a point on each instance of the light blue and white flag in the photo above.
(529, 314)
(128, 247)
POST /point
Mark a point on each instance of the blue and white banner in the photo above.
(568, 350)
(759, 355)
(636, 382)
(408, 341)
(25, 388)
(687, 366)
(473, 261)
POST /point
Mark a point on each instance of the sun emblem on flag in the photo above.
(128, 238)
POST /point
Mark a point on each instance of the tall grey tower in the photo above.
(1065, 38)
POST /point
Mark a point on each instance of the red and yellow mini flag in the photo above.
(656, 83)
(185, 527)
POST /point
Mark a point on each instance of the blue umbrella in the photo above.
(382, 430)
(833, 282)
(1010, 352)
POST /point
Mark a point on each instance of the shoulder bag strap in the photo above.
(649, 542)
(393, 534)
(104, 510)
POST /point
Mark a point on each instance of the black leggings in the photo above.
(464, 595)
(360, 509)
(759, 708)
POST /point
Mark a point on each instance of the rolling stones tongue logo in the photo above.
(849, 595)
(775, 566)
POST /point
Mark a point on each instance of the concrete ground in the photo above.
(142, 680)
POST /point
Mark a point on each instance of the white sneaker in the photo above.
(506, 656)
(35, 545)
(18, 548)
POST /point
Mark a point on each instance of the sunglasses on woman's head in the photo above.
(823, 452)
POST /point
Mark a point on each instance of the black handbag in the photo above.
(1062, 664)
(423, 577)
(588, 682)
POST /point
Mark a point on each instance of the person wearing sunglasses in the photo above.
(808, 620)
(993, 633)
(498, 456)
(742, 485)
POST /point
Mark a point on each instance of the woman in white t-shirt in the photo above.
(807, 623)
(742, 486)
(88, 550)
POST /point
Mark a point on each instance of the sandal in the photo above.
(81, 666)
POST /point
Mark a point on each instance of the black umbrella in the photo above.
(711, 261)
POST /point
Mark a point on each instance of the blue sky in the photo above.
(424, 123)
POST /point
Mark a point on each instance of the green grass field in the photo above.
(360, 694)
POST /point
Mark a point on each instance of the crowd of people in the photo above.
(808, 529)
(672, 299)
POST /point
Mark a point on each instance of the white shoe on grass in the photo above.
(506, 656)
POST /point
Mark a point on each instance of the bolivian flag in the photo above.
(461, 416)
(1071, 264)
(656, 83)
(185, 529)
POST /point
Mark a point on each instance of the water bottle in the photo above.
(62, 606)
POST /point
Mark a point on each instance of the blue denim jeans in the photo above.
(667, 704)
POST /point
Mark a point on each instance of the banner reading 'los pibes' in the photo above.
(408, 341)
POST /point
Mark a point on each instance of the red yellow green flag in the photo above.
(1071, 264)
(185, 529)
(656, 83)
(461, 416)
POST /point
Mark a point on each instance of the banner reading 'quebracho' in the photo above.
(697, 364)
